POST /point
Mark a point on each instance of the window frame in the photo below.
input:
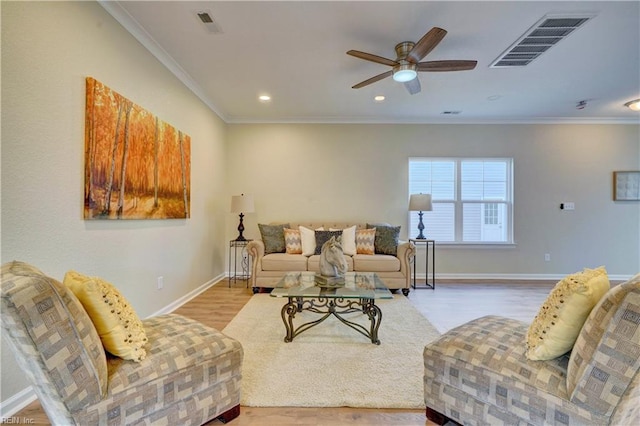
(458, 204)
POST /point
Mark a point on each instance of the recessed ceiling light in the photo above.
(379, 98)
(264, 98)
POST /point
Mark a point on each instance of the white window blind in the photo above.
(472, 199)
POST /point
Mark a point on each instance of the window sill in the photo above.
(476, 245)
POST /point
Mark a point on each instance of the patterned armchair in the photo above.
(191, 373)
(478, 374)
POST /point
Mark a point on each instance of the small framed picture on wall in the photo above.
(626, 186)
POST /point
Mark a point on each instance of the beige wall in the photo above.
(359, 172)
(48, 49)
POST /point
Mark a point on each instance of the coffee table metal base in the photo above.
(336, 307)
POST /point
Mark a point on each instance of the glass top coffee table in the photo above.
(355, 292)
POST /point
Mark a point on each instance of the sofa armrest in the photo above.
(255, 249)
(406, 252)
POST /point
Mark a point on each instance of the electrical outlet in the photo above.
(160, 283)
(547, 257)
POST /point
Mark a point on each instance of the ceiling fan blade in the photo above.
(413, 86)
(452, 65)
(371, 57)
(426, 44)
(373, 79)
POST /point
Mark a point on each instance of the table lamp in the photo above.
(241, 204)
(420, 203)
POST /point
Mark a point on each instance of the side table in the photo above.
(429, 245)
(234, 260)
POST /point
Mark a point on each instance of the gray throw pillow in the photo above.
(387, 238)
(324, 236)
(273, 237)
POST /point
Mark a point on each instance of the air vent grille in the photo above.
(545, 34)
(205, 17)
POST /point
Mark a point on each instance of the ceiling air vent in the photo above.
(545, 34)
(205, 18)
(450, 112)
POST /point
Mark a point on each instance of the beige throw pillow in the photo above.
(348, 239)
(555, 328)
(292, 241)
(308, 240)
(365, 241)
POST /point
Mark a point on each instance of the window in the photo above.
(472, 199)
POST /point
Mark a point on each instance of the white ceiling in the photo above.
(295, 51)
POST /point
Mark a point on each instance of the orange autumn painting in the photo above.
(136, 166)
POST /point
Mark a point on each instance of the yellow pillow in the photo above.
(120, 329)
(555, 328)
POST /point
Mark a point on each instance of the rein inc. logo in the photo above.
(16, 421)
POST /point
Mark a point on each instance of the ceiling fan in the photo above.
(407, 64)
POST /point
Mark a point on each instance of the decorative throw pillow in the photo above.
(348, 240)
(365, 241)
(273, 237)
(292, 241)
(324, 236)
(308, 238)
(386, 239)
(555, 328)
(118, 326)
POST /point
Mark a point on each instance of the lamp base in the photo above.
(241, 230)
(420, 228)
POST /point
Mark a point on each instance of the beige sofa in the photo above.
(267, 270)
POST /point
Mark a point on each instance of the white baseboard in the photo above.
(16, 403)
(513, 277)
(187, 297)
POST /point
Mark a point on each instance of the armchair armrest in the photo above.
(406, 252)
(255, 249)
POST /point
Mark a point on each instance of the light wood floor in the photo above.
(449, 305)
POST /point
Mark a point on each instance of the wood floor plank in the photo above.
(451, 304)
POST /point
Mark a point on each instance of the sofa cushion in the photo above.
(313, 264)
(61, 349)
(284, 262)
(324, 236)
(365, 241)
(560, 318)
(348, 240)
(273, 237)
(118, 325)
(605, 357)
(376, 263)
(292, 241)
(387, 238)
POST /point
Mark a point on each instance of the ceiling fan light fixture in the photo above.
(404, 72)
(633, 105)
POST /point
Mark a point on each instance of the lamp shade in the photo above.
(242, 204)
(420, 203)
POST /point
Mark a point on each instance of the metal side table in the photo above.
(430, 246)
(241, 260)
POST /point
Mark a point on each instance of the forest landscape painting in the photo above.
(136, 165)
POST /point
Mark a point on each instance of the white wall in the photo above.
(48, 48)
(359, 173)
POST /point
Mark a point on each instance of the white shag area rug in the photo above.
(331, 365)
